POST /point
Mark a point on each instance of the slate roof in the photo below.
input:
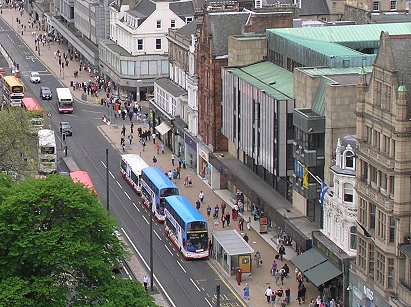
(308, 7)
(170, 87)
(224, 25)
(143, 9)
(188, 29)
(182, 8)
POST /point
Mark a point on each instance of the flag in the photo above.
(324, 189)
(305, 178)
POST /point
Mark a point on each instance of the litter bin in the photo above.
(84, 96)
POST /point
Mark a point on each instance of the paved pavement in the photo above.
(264, 243)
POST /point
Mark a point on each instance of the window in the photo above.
(158, 43)
(173, 23)
(381, 224)
(362, 254)
(364, 170)
(386, 144)
(372, 209)
(349, 159)
(391, 238)
(371, 260)
(393, 5)
(158, 24)
(362, 216)
(140, 45)
(189, 19)
(378, 90)
(383, 182)
(373, 176)
(377, 138)
(380, 268)
(390, 273)
(369, 135)
(353, 237)
(348, 192)
(376, 5)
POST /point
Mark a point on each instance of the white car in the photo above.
(35, 77)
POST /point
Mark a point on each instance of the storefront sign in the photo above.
(328, 254)
(368, 293)
(190, 142)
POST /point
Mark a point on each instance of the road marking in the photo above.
(97, 112)
(112, 176)
(195, 285)
(181, 267)
(103, 164)
(145, 263)
(118, 183)
(157, 234)
(128, 274)
(145, 219)
(208, 302)
(127, 195)
(168, 249)
(135, 206)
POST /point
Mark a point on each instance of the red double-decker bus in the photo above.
(83, 178)
(36, 112)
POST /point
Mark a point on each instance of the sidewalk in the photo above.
(47, 54)
(261, 277)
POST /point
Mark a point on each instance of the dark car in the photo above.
(65, 127)
(45, 93)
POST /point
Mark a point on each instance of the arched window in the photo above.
(349, 159)
(348, 193)
(353, 237)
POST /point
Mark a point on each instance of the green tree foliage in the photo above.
(58, 246)
(17, 144)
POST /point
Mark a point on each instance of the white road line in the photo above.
(103, 164)
(181, 267)
(128, 274)
(118, 183)
(156, 234)
(208, 302)
(168, 249)
(145, 219)
(97, 112)
(112, 176)
(195, 285)
(135, 206)
(145, 263)
(127, 195)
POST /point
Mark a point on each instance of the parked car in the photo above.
(45, 93)
(65, 127)
(35, 77)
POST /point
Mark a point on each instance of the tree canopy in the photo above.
(58, 246)
(17, 143)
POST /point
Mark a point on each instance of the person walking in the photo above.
(223, 220)
(198, 205)
(162, 148)
(216, 209)
(123, 131)
(281, 251)
(154, 160)
(288, 296)
(154, 137)
(201, 196)
(246, 292)
(274, 267)
(132, 127)
(130, 138)
(178, 169)
(246, 238)
(157, 148)
(208, 211)
(249, 223)
(241, 224)
(268, 293)
(145, 281)
(173, 157)
(223, 206)
(277, 277)
(257, 259)
(227, 219)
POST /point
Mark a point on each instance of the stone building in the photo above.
(382, 274)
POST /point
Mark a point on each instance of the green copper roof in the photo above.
(328, 71)
(266, 76)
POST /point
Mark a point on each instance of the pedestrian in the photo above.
(286, 270)
(227, 219)
(281, 251)
(277, 277)
(216, 209)
(223, 206)
(130, 138)
(162, 148)
(247, 292)
(154, 160)
(241, 224)
(210, 248)
(170, 175)
(145, 281)
(179, 172)
(223, 220)
(190, 181)
(282, 275)
(249, 223)
(122, 141)
(132, 127)
(288, 296)
(124, 149)
(208, 211)
(279, 294)
(268, 294)
(333, 303)
(123, 131)
(143, 144)
(257, 259)
(173, 157)
(274, 266)
(157, 147)
(180, 161)
(154, 135)
(198, 204)
(201, 195)
(245, 238)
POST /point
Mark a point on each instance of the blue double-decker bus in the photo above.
(155, 186)
(186, 227)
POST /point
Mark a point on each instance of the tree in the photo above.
(17, 143)
(59, 245)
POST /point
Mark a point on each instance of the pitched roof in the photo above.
(143, 9)
(188, 29)
(268, 77)
(182, 8)
(224, 25)
(314, 7)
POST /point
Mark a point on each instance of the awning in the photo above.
(163, 128)
(308, 260)
(232, 242)
(316, 267)
(322, 273)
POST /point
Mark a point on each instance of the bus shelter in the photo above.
(232, 252)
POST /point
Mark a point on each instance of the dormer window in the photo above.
(349, 159)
